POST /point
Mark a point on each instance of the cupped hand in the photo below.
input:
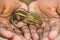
(6, 28)
(50, 18)
(9, 6)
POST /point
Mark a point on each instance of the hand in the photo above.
(48, 31)
(1, 7)
(7, 30)
(5, 23)
(9, 6)
(10, 35)
(30, 32)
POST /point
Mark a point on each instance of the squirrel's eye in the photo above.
(21, 17)
(14, 17)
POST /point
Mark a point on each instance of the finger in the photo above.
(5, 33)
(16, 37)
(40, 33)
(34, 32)
(1, 6)
(10, 7)
(33, 7)
(54, 32)
(7, 12)
(26, 32)
(24, 6)
(10, 35)
(46, 31)
(54, 29)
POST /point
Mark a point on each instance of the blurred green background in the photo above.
(27, 1)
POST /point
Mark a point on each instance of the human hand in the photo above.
(30, 32)
(50, 27)
(9, 6)
(6, 28)
(1, 7)
(10, 35)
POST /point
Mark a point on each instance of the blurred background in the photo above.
(27, 2)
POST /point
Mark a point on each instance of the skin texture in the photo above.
(32, 33)
(14, 36)
(1, 7)
(49, 7)
(6, 24)
(47, 10)
(58, 8)
(10, 7)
